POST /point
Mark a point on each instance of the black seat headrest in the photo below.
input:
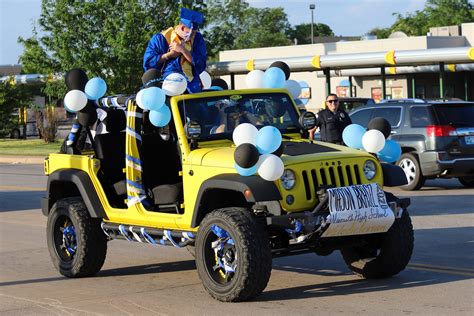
(115, 121)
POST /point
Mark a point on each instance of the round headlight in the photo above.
(288, 179)
(370, 169)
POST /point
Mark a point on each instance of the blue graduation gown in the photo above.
(158, 46)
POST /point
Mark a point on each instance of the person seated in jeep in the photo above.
(231, 114)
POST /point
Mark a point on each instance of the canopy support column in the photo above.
(350, 87)
(441, 80)
(327, 72)
(466, 86)
(413, 86)
(384, 84)
(232, 81)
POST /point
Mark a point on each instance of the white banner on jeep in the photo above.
(358, 210)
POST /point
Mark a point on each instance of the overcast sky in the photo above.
(345, 17)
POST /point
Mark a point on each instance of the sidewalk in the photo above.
(10, 159)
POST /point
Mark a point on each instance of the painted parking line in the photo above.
(441, 269)
(19, 188)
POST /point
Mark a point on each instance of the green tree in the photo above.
(435, 13)
(233, 24)
(381, 32)
(265, 27)
(12, 97)
(302, 32)
(107, 38)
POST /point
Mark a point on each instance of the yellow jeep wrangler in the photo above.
(178, 186)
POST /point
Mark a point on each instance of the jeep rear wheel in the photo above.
(76, 242)
(386, 255)
(233, 255)
(410, 165)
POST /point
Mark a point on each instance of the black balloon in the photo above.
(76, 79)
(218, 82)
(246, 155)
(88, 115)
(280, 150)
(150, 78)
(283, 66)
(381, 124)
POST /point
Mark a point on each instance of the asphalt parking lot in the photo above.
(140, 280)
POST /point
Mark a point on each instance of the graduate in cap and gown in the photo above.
(179, 49)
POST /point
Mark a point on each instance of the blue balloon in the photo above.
(391, 152)
(95, 88)
(268, 139)
(161, 117)
(246, 172)
(352, 135)
(216, 88)
(153, 98)
(274, 78)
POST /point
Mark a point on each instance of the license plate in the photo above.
(469, 140)
(358, 210)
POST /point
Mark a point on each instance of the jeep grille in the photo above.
(337, 176)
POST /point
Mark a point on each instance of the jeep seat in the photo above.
(161, 164)
(110, 150)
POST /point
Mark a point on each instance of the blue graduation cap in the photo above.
(192, 19)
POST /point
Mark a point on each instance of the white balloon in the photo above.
(254, 79)
(75, 100)
(174, 84)
(373, 141)
(138, 99)
(294, 88)
(270, 167)
(245, 133)
(206, 80)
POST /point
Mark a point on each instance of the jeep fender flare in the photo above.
(393, 175)
(253, 189)
(73, 182)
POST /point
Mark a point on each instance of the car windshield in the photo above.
(458, 115)
(218, 116)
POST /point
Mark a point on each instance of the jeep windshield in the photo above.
(219, 115)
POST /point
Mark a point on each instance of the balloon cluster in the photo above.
(80, 90)
(152, 98)
(373, 140)
(276, 76)
(258, 151)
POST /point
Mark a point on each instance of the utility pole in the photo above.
(312, 7)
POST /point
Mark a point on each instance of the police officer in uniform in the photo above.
(332, 121)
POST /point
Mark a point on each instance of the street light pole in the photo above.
(312, 7)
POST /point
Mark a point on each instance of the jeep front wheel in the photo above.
(233, 255)
(386, 254)
(76, 242)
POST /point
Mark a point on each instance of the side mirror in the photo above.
(192, 130)
(307, 120)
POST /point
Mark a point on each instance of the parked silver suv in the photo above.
(437, 138)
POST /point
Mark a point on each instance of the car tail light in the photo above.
(440, 130)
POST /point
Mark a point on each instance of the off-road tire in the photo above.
(468, 182)
(410, 165)
(91, 242)
(253, 253)
(392, 256)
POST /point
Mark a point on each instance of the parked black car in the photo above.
(437, 138)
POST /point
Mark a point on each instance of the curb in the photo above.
(27, 160)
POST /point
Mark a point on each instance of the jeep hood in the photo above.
(295, 152)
